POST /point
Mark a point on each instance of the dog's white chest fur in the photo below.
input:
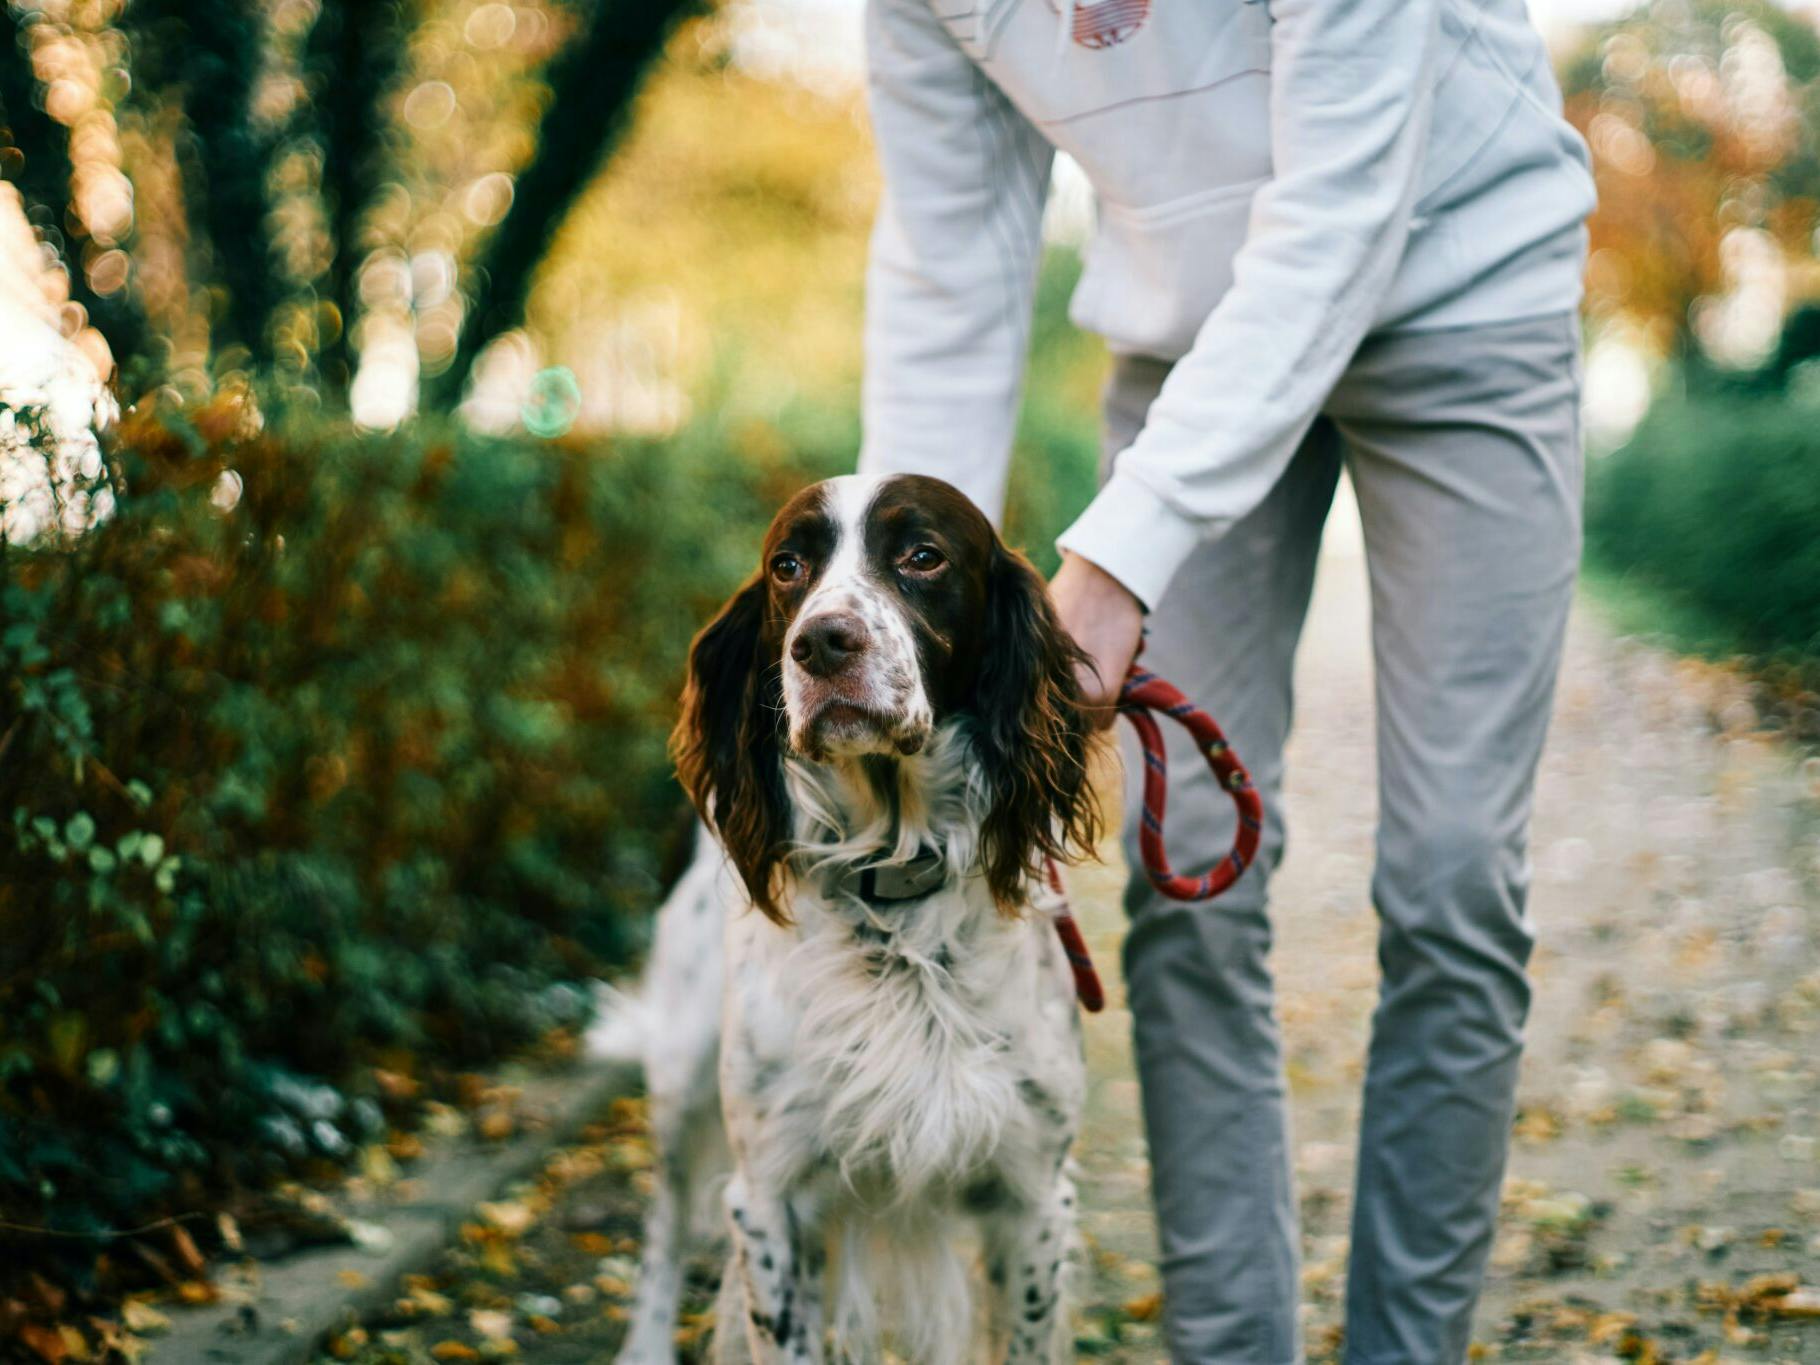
(927, 1054)
(899, 1089)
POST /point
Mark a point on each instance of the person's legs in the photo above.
(1464, 449)
(1208, 1051)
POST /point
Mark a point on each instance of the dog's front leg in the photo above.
(1026, 1253)
(779, 1255)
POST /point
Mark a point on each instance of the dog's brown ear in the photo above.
(728, 744)
(1034, 734)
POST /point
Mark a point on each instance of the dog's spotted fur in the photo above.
(899, 1083)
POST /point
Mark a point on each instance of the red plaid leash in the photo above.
(1144, 697)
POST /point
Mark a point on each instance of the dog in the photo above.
(856, 996)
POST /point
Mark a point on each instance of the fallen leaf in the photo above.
(509, 1216)
(420, 1298)
(1537, 1125)
(1760, 1288)
(1799, 1303)
(44, 1342)
(46, 1297)
(495, 1123)
(1145, 1309)
(352, 1279)
(183, 1246)
(113, 1339)
(454, 1350)
(1608, 1326)
(139, 1316)
(490, 1322)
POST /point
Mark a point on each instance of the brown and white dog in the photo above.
(883, 730)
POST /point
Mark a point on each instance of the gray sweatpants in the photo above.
(1464, 450)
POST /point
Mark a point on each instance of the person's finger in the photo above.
(1099, 700)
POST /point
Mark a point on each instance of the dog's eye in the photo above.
(923, 559)
(786, 568)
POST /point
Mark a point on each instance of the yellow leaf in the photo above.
(423, 1299)
(1145, 1309)
(510, 1217)
(490, 1322)
(1799, 1303)
(139, 1316)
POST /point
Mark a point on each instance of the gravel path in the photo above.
(1664, 1198)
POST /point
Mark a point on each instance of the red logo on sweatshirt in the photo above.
(1109, 22)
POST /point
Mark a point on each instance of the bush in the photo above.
(369, 764)
(1714, 501)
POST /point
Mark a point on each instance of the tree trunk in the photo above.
(216, 49)
(354, 53)
(592, 84)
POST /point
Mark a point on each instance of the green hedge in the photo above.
(1715, 502)
(369, 767)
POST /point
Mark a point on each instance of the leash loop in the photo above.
(1142, 699)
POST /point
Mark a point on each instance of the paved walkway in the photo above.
(1666, 1156)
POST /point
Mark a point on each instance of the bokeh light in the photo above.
(554, 402)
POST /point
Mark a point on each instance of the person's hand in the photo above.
(1105, 620)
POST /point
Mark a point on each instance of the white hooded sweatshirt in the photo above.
(1276, 179)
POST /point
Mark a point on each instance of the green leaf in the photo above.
(103, 1065)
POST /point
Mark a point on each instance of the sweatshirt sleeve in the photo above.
(954, 257)
(1352, 86)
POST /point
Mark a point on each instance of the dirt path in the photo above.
(1666, 1155)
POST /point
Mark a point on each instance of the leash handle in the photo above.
(1144, 697)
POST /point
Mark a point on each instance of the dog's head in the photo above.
(883, 609)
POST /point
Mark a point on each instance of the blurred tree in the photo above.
(205, 57)
(592, 82)
(1702, 116)
(246, 99)
(35, 157)
(355, 50)
(223, 57)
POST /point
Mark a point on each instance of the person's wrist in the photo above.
(1097, 582)
(1105, 619)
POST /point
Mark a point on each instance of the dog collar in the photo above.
(896, 883)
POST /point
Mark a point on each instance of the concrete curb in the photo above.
(304, 1297)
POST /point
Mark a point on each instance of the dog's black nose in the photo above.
(825, 643)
